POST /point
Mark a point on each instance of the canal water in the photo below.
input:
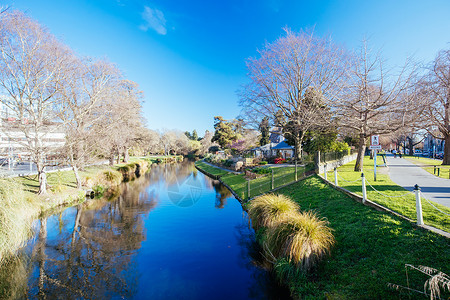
(171, 234)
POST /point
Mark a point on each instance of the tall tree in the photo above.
(33, 68)
(264, 128)
(224, 134)
(436, 87)
(376, 100)
(287, 72)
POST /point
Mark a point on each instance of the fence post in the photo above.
(273, 182)
(335, 177)
(325, 171)
(434, 170)
(248, 189)
(296, 178)
(418, 205)
(439, 171)
(363, 188)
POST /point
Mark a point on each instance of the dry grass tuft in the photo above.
(302, 238)
(269, 210)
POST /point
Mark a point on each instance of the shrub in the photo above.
(228, 163)
(263, 162)
(268, 210)
(262, 170)
(302, 238)
(279, 160)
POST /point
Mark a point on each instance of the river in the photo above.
(171, 234)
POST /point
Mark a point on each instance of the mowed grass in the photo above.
(59, 181)
(370, 251)
(261, 185)
(210, 169)
(401, 201)
(428, 165)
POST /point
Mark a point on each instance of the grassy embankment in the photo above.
(258, 186)
(371, 249)
(428, 165)
(370, 252)
(402, 202)
(20, 204)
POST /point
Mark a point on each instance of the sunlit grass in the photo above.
(401, 202)
(17, 211)
(371, 249)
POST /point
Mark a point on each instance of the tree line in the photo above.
(310, 86)
(48, 88)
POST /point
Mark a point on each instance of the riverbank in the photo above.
(371, 251)
(20, 205)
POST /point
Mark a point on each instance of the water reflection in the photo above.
(97, 257)
(145, 245)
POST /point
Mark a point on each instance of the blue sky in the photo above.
(189, 56)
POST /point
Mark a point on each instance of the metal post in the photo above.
(363, 188)
(248, 189)
(375, 165)
(296, 177)
(273, 181)
(335, 177)
(418, 205)
(325, 171)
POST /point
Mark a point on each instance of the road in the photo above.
(406, 174)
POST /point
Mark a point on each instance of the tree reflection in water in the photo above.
(222, 193)
(96, 259)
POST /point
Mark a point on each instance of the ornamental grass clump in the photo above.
(16, 217)
(302, 238)
(269, 210)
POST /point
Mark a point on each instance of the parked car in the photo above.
(417, 152)
(425, 154)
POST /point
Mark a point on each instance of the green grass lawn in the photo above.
(210, 169)
(428, 165)
(405, 205)
(371, 249)
(258, 186)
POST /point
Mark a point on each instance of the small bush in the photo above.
(279, 160)
(228, 163)
(263, 162)
(270, 209)
(302, 238)
(262, 170)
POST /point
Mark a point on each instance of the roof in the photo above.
(283, 146)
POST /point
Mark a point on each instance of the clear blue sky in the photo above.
(189, 56)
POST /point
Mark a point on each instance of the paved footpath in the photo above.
(406, 174)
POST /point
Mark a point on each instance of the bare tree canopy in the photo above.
(436, 87)
(33, 68)
(295, 76)
(375, 100)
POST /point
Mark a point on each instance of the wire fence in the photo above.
(279, 176)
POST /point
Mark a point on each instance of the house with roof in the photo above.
(277, 146)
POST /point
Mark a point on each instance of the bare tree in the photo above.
(295, 76)
(93, 81)
(375, 100)
(436, 87)
(33, 68)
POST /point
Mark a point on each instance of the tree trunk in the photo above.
(77, 176)
(126, 155)
(111, 158)
(361, 150)
(42, 182)
(446, 160)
